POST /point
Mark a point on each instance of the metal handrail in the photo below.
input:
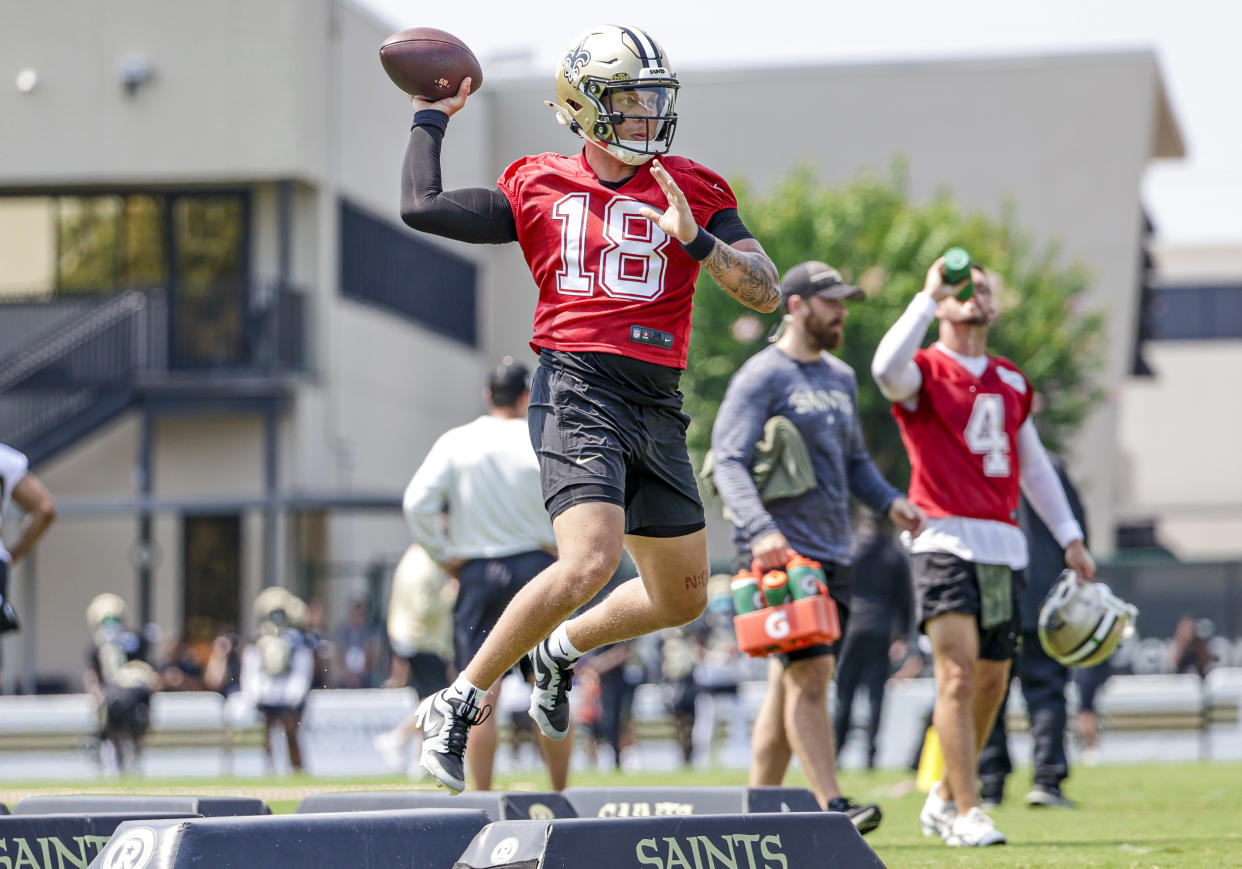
(90, 325)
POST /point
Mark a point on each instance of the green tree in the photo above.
(878, 238)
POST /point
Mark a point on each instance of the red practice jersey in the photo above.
(962, 438)
(610, 281)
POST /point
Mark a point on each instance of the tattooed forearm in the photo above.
(748, 276)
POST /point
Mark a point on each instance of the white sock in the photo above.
(462, 688)
(560, 645)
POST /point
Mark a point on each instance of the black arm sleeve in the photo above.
(475, 214)
(727, 226)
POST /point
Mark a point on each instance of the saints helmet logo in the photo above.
(576, 59)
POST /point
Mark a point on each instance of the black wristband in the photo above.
(430, 118)
(702, 245)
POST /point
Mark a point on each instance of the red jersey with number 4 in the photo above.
(962, 438)
(610, 280)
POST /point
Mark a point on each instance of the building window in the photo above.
(390, 267)
(194, 246)
(211, 577)
(1196, 312)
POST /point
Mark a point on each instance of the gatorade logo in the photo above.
(776, 625)
(133, 850)
(540, 812)
(504, 850)
(808, 585)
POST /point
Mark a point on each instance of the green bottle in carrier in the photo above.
(957, 265)
(806, 577)
(745, 589)
(775, 585)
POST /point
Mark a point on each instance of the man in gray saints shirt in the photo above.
(798, 379)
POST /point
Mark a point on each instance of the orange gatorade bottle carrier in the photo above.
(810, 618)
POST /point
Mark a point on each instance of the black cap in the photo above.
(508, 381)
(814, 278)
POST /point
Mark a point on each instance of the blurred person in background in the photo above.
(1089, 680)
(420, 635)
(617, 674)
(965, 420)
(355, 647)
(420, 627)
(1043, 680)
(181, 669)
(222, 673)
(19, 486)
(799, 381)
(475, 505)
(277, 669)
(121, 681)
(1189, 652)
(881, 615)
(314, 634)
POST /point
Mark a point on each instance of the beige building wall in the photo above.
(223, 101)
(1178, 428)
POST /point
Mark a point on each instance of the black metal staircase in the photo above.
(96, 361)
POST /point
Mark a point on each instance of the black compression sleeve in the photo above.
(475, 214)
(727, 226)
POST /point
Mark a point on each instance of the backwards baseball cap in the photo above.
(508, 381)
(814, 278)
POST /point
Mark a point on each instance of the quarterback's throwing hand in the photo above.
(677, 220)
(449, 105)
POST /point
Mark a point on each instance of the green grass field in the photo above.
(1129, 817)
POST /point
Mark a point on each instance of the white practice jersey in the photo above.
(13, 466)
(485, 476)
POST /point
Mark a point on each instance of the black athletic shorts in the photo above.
(428, 673)
(595, 444)
(486, 585)
(948, 584)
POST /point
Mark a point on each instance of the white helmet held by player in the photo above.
(611, 75)
(1080, 624)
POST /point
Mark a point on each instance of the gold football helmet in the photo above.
(1080, 624)
(614, 88)
(274, 599)
(103, 607)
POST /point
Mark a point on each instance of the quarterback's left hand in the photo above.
(677, 220)
(907, 516)
(1078, 559)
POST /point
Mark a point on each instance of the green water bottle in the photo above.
(745, 589)
(806, 576)
(775, 585)
(957, 266)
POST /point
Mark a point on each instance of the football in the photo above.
(429, 63)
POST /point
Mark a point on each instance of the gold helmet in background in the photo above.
(274, 599)
(1081, 624)
(612, 74)
(103, 607)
